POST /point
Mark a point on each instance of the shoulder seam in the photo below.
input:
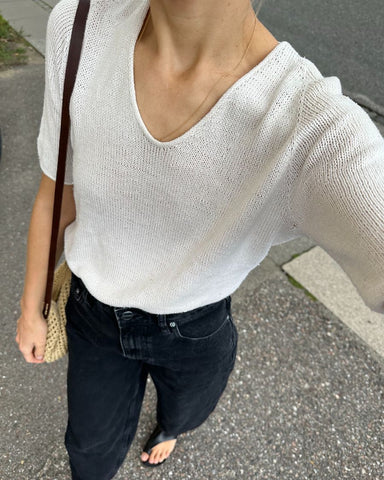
(305, 71)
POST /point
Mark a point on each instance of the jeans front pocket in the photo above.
(78, 290)
(206, 326)
(79, 314)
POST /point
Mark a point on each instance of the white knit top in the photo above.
(171, 226)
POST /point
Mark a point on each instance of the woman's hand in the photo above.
(31, 336)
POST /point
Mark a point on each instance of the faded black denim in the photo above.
(188, 355)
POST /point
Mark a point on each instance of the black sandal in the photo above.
(157, 436)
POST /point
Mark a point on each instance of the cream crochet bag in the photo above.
(59, 280)
(56, 345)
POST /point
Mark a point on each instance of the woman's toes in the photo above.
(144, 456)
(159, 452)
(152, 457)
(158, 456)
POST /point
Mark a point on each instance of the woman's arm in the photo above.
(39, 238)
(32, 326)
(338, 194)
(31, 330)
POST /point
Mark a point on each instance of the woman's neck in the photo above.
(187, 34)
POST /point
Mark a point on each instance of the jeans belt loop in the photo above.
(162, 321)
(228, 301)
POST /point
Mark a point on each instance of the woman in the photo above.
(198, 141)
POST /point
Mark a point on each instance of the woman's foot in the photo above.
(159, 452)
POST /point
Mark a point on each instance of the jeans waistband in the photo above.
(190, 314)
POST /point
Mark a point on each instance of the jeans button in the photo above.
(77, 290)
(172, 324)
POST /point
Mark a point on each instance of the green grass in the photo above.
(12, 46)
(296, 284)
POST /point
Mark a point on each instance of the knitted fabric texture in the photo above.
(56, 343)
(171, 226)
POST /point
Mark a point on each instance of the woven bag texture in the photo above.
(56, 343)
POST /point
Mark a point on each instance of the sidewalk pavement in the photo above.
(305, 399)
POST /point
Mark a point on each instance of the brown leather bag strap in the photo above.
(73, 59)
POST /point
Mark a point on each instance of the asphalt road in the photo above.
(343, 39)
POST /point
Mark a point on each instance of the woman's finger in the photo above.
(30, 358)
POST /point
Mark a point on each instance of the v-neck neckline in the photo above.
(136, 28)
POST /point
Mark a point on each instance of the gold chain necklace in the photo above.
(224, 74)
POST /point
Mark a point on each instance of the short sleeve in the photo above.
(338, 194)
(58, 33)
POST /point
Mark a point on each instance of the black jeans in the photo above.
(188, 355)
